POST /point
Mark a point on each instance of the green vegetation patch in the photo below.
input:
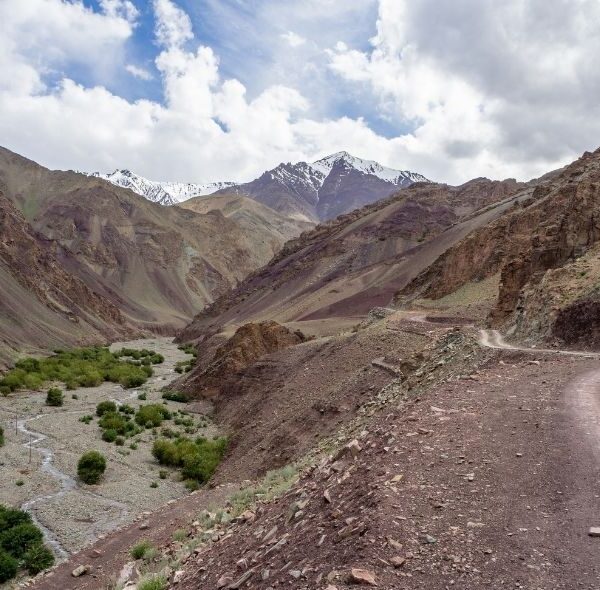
(152, 415)
(21, 545)
(81, 367)
(175, 396)
(197, 459)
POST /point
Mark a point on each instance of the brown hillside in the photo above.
(158, 265)
(359, 260)
(41, 305)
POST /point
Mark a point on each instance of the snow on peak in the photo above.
(326, 164)
(164, 193)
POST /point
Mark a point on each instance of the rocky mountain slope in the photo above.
(163, 193)
(326, 188)
(359, 260)
(42, 306)
(556, 225)
(253, 217)
(157, 265)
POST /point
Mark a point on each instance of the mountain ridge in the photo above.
(304, 191)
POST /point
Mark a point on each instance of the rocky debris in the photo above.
(81, 570)
(361, 576)
(380, 362)
(594, 531)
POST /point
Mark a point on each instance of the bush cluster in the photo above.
(21, 545)
(152, 415)
(91, 467)
(197, 459)
(186, 365)
(175, 396)
(115, 422)
(80, 367)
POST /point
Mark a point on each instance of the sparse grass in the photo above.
(141, 549)
(275, 483)
(180, 535)
(80, 367)
(153, 582)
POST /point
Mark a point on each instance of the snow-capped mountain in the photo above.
(397, 177)
(326, 188)
(164, 193)
(306, 191)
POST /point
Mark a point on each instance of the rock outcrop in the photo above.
(249, 343)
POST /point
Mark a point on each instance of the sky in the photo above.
(207, 90)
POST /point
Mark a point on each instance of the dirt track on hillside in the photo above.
(499, 468)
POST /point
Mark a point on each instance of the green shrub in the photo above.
(126, 409)
(175, 396)
(74, 396)
(18, 539)
(86, 419)
(91, 466)
(11, 517)
(119, 441)
(192, 485)
(105, 407)
(114, 421)
(54, 397)
(4, 390)
(19, 482)
(8, 567)
(197, 459)
(152, 415)
(38, 558)
(1, 436)
(154, 484)
(109, 435)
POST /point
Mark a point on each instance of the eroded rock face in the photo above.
(249, 343)
(579, 324)
(556, 222)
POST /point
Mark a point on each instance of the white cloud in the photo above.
(490, 88)
(173, 25)
(120, 9)
(293, 39)
(482, 88)
(140, 73)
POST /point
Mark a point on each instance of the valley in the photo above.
(43, 479)
(403, 396)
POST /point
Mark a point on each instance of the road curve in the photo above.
(493, 339)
